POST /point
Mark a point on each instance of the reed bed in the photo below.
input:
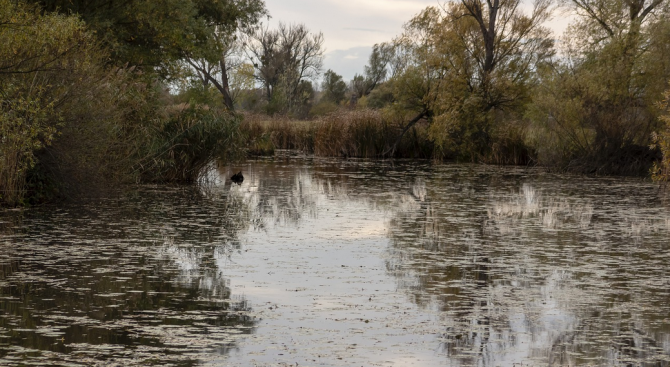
(344, 133)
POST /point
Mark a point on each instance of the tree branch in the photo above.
(391, 150)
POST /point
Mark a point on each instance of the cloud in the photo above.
(364, 30)
(347, 62)
(350, 28)
(345, 23)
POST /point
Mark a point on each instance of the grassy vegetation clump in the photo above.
(181, 147)
(263, 134)
(368, 134)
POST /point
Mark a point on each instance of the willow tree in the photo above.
(468, 66)
(375, 72)
(596, 109)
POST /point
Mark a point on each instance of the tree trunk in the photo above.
(487, 28)
(225, 87)
(391, 150)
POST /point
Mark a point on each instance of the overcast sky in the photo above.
(351, 27)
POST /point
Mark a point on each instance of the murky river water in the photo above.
(344, 263)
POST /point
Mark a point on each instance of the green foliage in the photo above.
(158, 33)
(334, 88)
(358, 86)
(661, 169)
(251, 100)
(594, 112)
(241, 80)
(376, 71)
(25, 126)
(292, 101)
(41, 59)
(72, 126)
(183, 146)
(382, 96)
(196, 92)
(469, 86)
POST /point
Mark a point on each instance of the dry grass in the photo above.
(344, 133)
(510, 147)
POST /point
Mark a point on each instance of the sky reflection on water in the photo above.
(326, 262)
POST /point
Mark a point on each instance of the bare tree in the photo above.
(285, 57)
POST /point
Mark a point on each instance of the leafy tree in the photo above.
(502, 30)
(377, 69)
(71, 123)
(159, 33)
(334, 88)
(382, 96)
(468, 67)
(358, 86)
(218, 64)
(375, 72)
(41, 58)
(241, 80)
(595, 110)
(304, 99)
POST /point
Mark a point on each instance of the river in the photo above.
(318, 262)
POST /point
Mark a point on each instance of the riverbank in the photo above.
(370, 133)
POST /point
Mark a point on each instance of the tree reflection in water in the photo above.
(129, 282)
(537, 269)
(520, 265)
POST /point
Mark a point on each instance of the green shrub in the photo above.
(41, 67)
(324, 107)
(661, 170)
(183, 147)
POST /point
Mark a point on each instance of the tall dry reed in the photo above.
(360, 133)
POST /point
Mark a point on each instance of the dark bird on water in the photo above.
(237, 178)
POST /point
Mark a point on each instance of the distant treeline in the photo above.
(98, 93)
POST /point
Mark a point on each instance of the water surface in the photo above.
(344, 263)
